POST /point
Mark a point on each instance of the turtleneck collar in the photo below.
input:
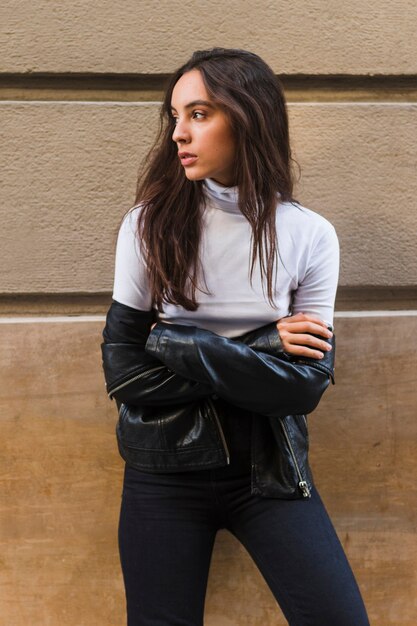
(226, 198)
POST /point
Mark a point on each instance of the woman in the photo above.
(218, 342)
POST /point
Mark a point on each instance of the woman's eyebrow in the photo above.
(195, 103)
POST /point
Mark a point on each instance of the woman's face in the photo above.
(202, 129)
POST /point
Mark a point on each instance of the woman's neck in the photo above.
(226, 198)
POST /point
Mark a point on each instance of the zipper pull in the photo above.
(304, 488)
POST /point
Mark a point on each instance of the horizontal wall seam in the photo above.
(53, 319)
(147, 87)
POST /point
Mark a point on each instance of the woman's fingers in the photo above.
(304, 351)
(304, 327)
(297, 335)
(300, 339)
(305, 317)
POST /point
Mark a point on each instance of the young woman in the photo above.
(217, 344)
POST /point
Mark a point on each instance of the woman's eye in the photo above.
(194, 113)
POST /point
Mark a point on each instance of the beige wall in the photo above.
(70, 150)
(80, 85)
(70, 169)
(316, 37)
(61, 479)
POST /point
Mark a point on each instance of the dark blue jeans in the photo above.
(168, 525)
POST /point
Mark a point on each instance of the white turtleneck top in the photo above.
(305, 281)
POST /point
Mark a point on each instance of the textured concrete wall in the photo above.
(69, 167)
(61, 480)
(294, 36)
(80, 84)
(69, 172)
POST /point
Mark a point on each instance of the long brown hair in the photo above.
(169, 223)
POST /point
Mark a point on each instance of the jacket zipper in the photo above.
(301, 482)
(155, 369)
(221, 433)
(131, 380)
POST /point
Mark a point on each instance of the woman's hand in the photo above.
(153, 325)
(295, 340)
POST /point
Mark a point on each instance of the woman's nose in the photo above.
(181, 132)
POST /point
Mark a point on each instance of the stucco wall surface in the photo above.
(70, 151)
(294, 36)
(62, 478)
(69, 173)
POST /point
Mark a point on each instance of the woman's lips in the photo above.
(188, 160)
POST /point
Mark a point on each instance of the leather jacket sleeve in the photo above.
(272, 384)
(135, 377)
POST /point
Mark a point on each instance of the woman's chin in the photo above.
(195, 175)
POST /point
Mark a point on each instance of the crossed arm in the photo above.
(178, 364)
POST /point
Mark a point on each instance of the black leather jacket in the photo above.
(171, 384)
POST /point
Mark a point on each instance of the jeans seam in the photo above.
(294, 611)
